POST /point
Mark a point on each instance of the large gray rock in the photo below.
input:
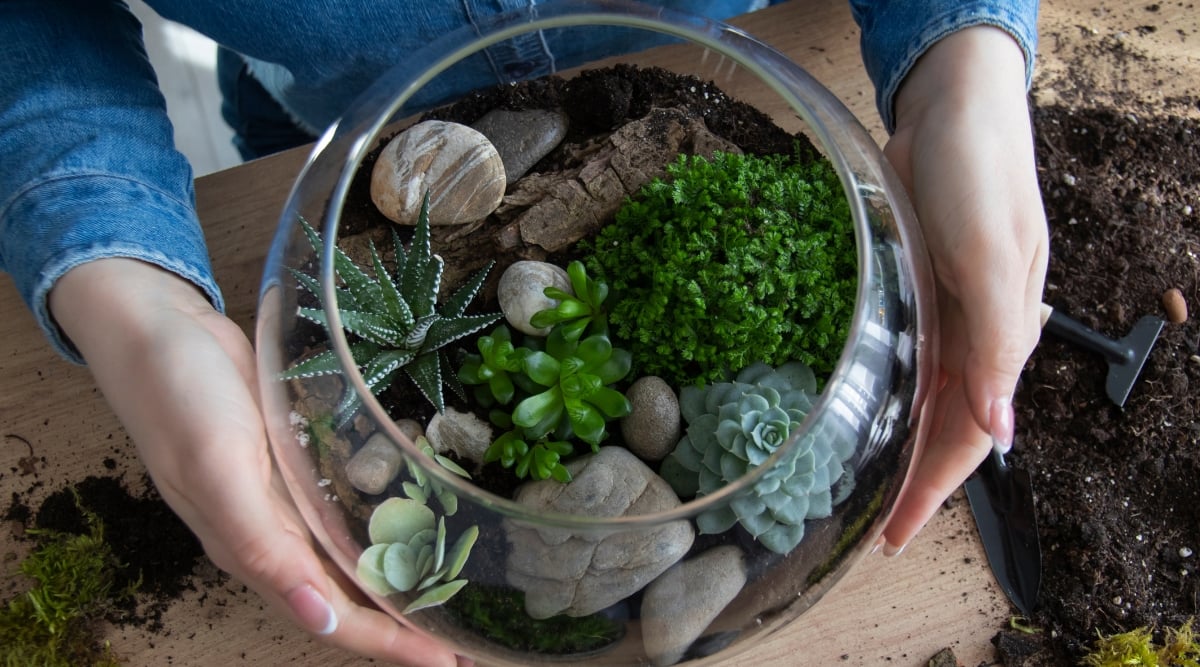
(522, 137)
(652, 428)
(681, 603)
(455, 164)
(575, 573)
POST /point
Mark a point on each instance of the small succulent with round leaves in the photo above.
(399, 323)
(735, 427)
(408, 552)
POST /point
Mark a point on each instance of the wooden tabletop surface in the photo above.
(899, 611)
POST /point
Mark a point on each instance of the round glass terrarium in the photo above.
(563, 483)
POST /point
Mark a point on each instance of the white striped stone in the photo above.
(459, 168)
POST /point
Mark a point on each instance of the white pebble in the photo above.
(1185, 552)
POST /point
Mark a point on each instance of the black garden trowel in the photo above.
(1001, 496)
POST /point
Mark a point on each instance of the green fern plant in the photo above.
(396, 318)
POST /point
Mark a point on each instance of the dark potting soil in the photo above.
(1118, 490)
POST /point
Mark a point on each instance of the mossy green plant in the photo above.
(73, 578)
(499, 614)
(1180, 648)
(728, 261)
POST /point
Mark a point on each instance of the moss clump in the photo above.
(51, 624)
(730, 261)
(500, 616)
(1180, 648)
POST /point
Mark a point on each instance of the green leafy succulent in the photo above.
(408, 553)
(579, 311)
(422, 486)
(497, 366)
(735, 427)
(575, 398)
(542, 460)
(397, 319)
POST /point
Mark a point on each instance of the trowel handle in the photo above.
(1076, 332)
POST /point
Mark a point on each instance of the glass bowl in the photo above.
(773, 487)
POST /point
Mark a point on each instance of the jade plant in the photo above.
(496, 370)
(735, 427)
(561, 392)
(575, 397)
(577, 311)
(728, 261)
(397, 319)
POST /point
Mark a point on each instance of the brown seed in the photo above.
(1175, 306)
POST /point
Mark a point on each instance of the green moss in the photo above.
(730, 261)
(72, 586)
(1180, 648)
(499, 615)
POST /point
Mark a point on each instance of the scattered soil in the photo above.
(1118, 490)
(157, 551)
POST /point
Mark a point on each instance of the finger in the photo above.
(952, 453)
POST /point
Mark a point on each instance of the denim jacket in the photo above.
(89, 168)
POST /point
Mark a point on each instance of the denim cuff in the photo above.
(896, 33)
(62, 226)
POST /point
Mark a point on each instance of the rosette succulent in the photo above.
(408, 552)
(735, 427)
(397, 319)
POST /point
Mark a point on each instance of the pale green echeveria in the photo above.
(735, 427)
(408, 553)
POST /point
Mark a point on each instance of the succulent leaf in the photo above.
(735, 427)
(398, 520)
(435, 596)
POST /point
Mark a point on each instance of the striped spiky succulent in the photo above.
(396, 317)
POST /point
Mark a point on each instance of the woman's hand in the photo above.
(181, 378)
(963, 147)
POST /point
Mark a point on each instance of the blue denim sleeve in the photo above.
(90, 170)
(896, 32)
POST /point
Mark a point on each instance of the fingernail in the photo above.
(1000, 420)
(315, 613)
(878, 543)
(890, 550)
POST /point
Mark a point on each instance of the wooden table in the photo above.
(900, 611)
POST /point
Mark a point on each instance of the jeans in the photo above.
(261, 126)
(89, 169)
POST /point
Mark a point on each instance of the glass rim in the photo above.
(726, 40)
